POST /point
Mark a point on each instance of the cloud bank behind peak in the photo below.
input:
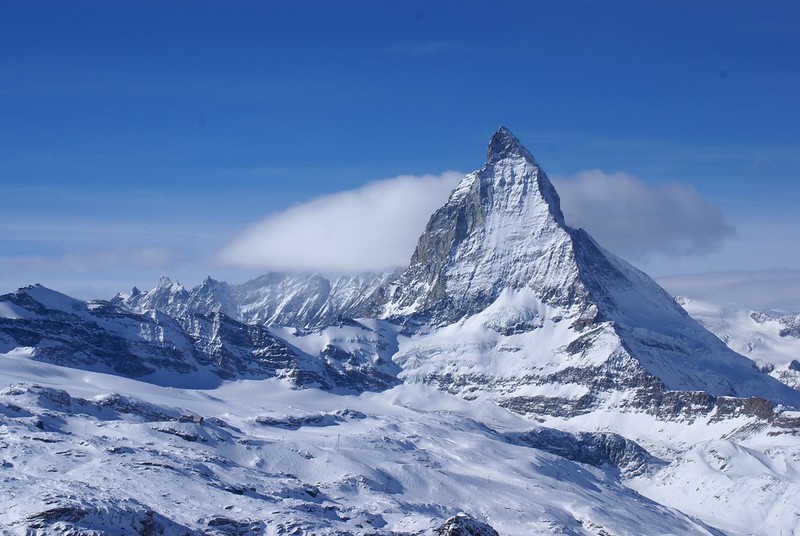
(637, 220)
(371, 228)
(376, 227)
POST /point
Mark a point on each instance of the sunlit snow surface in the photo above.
(270, 459)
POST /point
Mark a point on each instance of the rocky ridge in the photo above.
(192, 348)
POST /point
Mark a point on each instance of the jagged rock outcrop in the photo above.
(309, 300)
(601, 449)
(108, 516)
(463, 525)
(273, 299)
(190, 349)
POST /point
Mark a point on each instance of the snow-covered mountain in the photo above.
(121, 457)
(273, 299)
(514, 356)
(190, 349)
(755, 313)
(540, 317)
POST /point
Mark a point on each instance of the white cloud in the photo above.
(637, 220)
(374, 227)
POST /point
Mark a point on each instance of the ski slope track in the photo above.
(515, 378)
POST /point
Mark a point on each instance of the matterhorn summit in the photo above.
(507, 299)
(502, 228)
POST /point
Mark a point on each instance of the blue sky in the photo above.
(140, 138)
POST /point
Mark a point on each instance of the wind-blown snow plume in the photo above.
(373, 227)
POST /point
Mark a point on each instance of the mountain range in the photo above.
(566, 368)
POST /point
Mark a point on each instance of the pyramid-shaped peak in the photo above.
(505, 151)
(505, 145)
(502, 228)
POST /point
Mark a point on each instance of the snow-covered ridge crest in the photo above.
(504, 146)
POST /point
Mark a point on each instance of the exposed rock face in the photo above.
(788, 374)
(790, 323)
(463, 525)
(501, 228)
(110, 516)
(71, 333)
(190, 349)
(598, 449)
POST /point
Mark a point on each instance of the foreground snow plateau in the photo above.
(118, 455)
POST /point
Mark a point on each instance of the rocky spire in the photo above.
(506, 151)
(505, 145)
(502, 228)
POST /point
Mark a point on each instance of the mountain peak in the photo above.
(505, 145)
(502, 228)
(506, 151)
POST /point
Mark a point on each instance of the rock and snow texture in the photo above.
(756, 314)
(273, 299)
(515, 303)
(295, 403)
(502, 228)
(266, 459)
(771, 339)
(190, 349)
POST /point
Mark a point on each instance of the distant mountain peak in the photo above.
(210, 282)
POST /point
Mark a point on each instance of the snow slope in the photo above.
(269, 459)
(756, 314)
